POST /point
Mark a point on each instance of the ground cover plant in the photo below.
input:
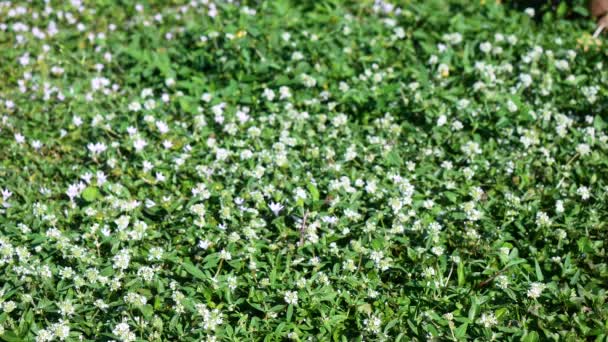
(309, 171)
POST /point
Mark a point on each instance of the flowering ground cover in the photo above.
(312, 171)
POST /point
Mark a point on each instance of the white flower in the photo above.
(583, 149)
(268, 94)
(135, 106)
(441, 120)
(123, 332)
(488, 320)
(285, 92)
(485, 47)
(443, 70)
(275, 208)
(162, 127)
(204, 244)
(297, 56)
(399, 32)
(224, 254)
(373, 324)
(308, 81)
(44, 335)
(471, 148)
(542, 219)
(97, 148)
(583, 191)
(453, 38)
(206, 97)
(66, 308)
(291, 297)
(502, 281)
(6, 194)
(74, 190)
(8, 306)
(300, 194)
(121, 260)
(562, 64)
(19, 138)
(134, 298)
(559, 206)
(511, 106)
(428, 272)
(62, 330)
(438, 250)
(530, 11)
(525, 79)
(211, 318)
(122, 222)
(101, 305)
(590, 93)
(139, 144)
(535, 290)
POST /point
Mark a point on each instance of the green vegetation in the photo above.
(301, 170)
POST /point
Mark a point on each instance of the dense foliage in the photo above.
(304, 170)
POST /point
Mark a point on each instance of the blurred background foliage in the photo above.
(552, 9)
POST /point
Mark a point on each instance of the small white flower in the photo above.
(488, 320)
(308, 80)
(562, 64)
(291, 297)
(97, 148)
(373, 324)
(584, 192)
(535, 290)
(530, 11)
(511, 106)
(542, 219)
(485, 47)
(525, 79)
(441, 120)
(583, 149)
(19, 138)
(204, 244)
(268, 94)
(139, 144)
(502, 281)
(224, 254)
(559, 206)
(135, 106)
(275, 208)
(123, 332)
(206, 97)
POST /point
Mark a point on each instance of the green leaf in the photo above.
(452, 196)
(461, 331)
(539, 272)
(194, 271)
(90, 194)
(585, 245)
(10, 336)
(314, 192)
(147, 310)
(474, 309)
(289, 312)
(460, 273)
(531, 337)
(390, 325)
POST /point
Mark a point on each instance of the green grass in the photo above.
(313, 171)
